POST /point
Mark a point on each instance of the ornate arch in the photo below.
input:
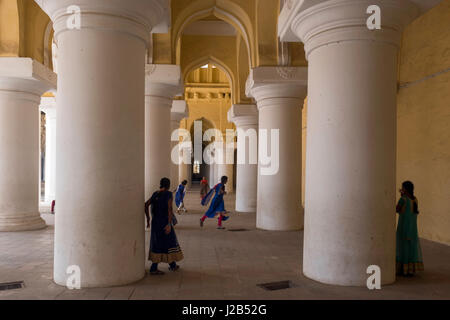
(225, 10)
(219, 64)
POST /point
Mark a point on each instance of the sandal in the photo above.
(156, 273)
(174, 268)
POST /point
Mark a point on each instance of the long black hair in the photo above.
(409, 188)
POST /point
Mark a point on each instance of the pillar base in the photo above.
(25, 222)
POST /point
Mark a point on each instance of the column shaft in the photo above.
(163, 82)
(245, 117)
(279, 93)
(279, 195)
(351, 141)
(19, 142)
(157, 142)
(48, 105)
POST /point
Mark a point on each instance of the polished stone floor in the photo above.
(219, 264)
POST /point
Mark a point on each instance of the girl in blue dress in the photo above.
(217, 206)
(179, 197)
(164, 245)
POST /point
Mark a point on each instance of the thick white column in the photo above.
(22, 82)
(185, 169)
(226, 170)
(162, 83)
(212, 178)
(223, 156)
(351, 141)
(179, 112)
(99, 225)
(48, 105)
(279, 92)
(245, 117)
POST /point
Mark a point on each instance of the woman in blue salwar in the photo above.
(164, 245)
(409, 254)
(179, 196)
(217, 206)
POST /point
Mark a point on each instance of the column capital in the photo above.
(135, 17)
(277, 82)
(48, 105)
(243, 115)
(163, 80)
(317, 23)
(180, 110)
(25, 75)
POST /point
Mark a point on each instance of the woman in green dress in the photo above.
(409, 254)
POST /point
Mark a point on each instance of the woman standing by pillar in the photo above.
(164, 245)
(409, 254)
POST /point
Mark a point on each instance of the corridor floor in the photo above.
(218, 264)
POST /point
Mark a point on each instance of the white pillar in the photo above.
(99, 225)
(22, 82)
(351, 141)
(179, 112)
(226, 170)
(48, 105)
(163, 82)
(279, 92)
(212, 178)
(185, 169)
(245, 117)
(223, 156)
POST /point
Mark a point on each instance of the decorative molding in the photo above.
(243, 115)
(26, 75)
(163, 80)
(150, 69)
(179, 111)
(287, 73)
(277, 82)
(136, 17)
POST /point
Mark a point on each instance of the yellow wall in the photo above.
(9, 28)
(214, 111)
(197, 49)
(424, 119)
(22, 29)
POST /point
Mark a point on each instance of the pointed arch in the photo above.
(219, 64)
(225, 10)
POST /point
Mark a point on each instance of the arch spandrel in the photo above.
(226, 10)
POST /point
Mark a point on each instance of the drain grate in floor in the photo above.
(11, 285)
(271, 286)
(238, 230)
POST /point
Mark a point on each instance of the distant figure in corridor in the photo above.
(179, 196)
(409, 254)
(204, 187)
(164, 245)
(217, 206)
